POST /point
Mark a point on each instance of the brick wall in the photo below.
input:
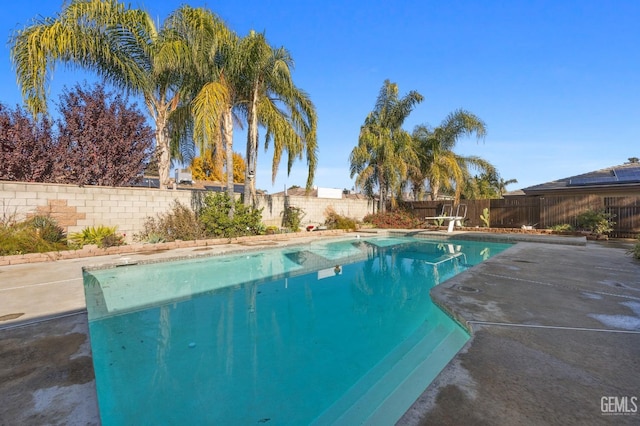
(76, 208)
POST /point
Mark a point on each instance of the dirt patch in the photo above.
(260, 243)
(149, 252)
(51, 356)
(11, 316)
(44, 363)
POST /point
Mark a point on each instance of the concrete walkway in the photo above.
(555, 334)
(555, 329)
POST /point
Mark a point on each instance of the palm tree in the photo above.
(479, 187)
(502, 185)
(385, 154)
(439, 165)
(235, 77)
(121, 45)
(212, 90)
(485, 186)
(273, 101)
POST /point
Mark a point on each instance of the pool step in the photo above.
(388, 389)
(341, 252)
(399, 401)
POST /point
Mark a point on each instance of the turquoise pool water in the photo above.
(340, 332)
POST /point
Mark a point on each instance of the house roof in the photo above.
(514, 193)
(621, 176)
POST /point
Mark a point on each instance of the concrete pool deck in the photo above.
(555, 329)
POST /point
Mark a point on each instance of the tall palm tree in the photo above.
(384, 154)
(273, 101)
(119, 44)
(439, 165)
(235, 78)
(213, 89)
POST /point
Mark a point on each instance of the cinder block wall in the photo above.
(76, 208)
(314, 208)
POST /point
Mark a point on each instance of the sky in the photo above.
(557, 82)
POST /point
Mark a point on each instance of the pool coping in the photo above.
(71, 269)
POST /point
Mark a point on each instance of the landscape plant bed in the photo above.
(498, 230)
(93, 250)
(589, 235)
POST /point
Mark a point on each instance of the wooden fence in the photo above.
(422, 209)
(542, 212)
(514, 212)
(626, 211)
(559, 210)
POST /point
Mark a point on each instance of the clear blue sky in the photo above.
(557, 82)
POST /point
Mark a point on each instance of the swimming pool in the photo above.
(338, 332)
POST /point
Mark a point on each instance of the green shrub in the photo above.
(596, 221)
(179, 223)
(270, 230)
(23, 241)
(102, 236)
(214, 216)
(292, 218)
(47, 228)
(563, 227)
(155, 239)
(337, 221)
(394, 219)
(635, 250)
(36, 235)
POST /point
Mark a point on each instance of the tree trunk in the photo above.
(227, 136)
(434, 191)
(163, 151)
(252, 151)
(382, 206)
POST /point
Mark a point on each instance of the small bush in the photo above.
(155, 239)
(563, 227)
(292, 218)
(111, 240)
(635, 250)
(36, 235)
(271, 230)
(47, 228)
(596, 221)
(336, 221)
(102, 236)
(25, 240)
(394, 219)
(179, 223)
(215, 217)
